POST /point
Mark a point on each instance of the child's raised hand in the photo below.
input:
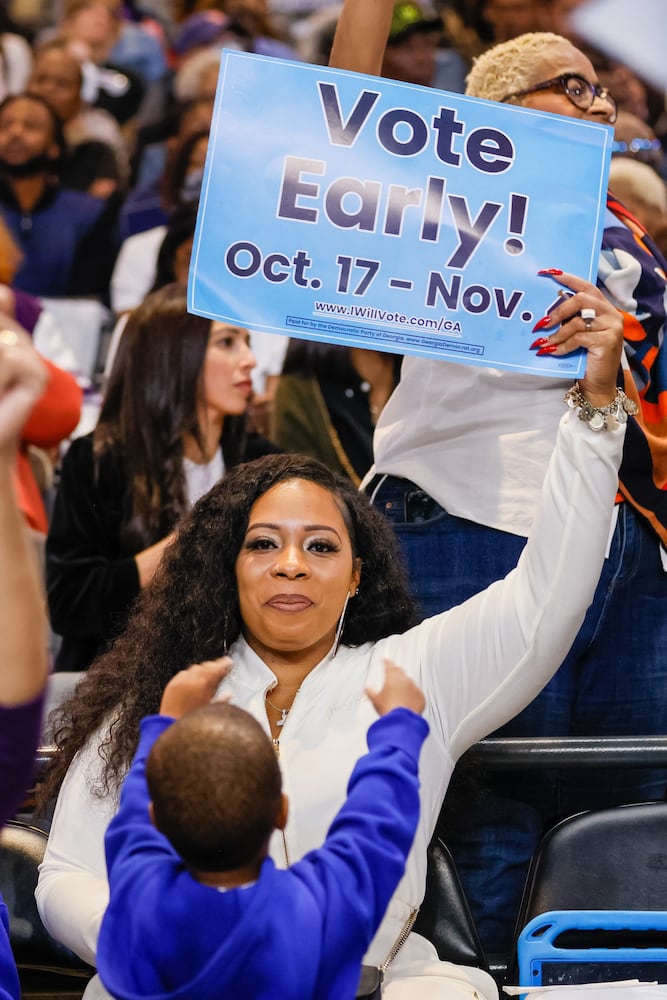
(398, 691)
(194, 687)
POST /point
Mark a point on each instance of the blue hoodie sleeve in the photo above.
(131, 830)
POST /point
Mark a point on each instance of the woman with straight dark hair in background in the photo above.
(172, 422)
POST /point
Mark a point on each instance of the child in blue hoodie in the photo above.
(197, 907)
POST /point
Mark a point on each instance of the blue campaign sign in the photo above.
(361, 211)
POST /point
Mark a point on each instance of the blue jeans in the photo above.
(612, 683)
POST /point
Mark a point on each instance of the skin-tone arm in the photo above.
(23, 656)
(361, 36)
(149, 560)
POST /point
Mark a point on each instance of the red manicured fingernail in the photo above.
(541, 323)
(550, 270)
(549, 349)
(540, 342)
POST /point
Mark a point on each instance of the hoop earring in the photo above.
(339, 627)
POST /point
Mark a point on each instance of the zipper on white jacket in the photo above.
(400, 940)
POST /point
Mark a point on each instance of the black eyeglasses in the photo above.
(578, 90)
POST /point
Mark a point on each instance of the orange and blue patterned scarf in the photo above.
(633, 275)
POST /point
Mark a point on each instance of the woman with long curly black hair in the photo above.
(191, 612)
(173, 421)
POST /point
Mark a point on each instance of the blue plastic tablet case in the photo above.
(563, 947)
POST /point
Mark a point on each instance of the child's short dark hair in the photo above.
(216, 787)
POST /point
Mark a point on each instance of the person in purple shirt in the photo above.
(23, 658)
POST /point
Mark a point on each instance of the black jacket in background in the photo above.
(91, 575)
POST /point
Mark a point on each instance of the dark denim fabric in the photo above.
(612, 683)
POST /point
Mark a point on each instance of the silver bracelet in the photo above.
(600, 418)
